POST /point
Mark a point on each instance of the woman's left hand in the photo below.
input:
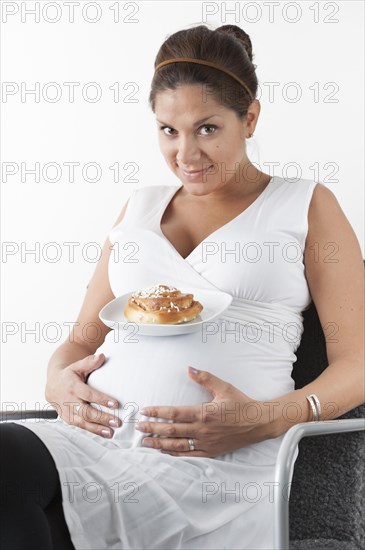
(230, 421)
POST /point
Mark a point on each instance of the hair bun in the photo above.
(240, 34)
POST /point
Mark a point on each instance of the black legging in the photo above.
(31, 512)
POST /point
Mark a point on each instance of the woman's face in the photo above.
(215, 145)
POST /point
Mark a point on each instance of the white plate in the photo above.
(214, 304)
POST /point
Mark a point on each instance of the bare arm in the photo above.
(337, 289)
(73, 361)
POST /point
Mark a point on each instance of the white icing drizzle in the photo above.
(158, 291)
(155, 291)
(172, 306)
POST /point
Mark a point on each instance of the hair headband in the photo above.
(203, 62)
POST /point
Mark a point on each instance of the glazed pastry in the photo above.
(161, 304)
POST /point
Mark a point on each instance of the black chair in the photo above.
(325, 509)
(326, 506)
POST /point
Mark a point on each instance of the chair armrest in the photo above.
(284, 461)
(22, 415)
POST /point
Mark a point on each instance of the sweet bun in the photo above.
(161, 304)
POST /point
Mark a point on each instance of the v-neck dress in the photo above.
(118, 494)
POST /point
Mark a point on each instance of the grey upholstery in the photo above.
(322, 544)
(326, 507)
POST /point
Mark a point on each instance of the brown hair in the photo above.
(227, 46)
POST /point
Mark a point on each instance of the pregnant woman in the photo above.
(187, 461)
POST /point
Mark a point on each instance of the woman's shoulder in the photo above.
(152, 192)
(143, 198)
(293, 183)
(329, 230)
(323, 207)
(155, 188)
(323, 195)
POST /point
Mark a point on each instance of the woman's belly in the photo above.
(142, 370)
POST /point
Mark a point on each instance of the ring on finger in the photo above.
(191, 444)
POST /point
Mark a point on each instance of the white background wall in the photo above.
(318, 46)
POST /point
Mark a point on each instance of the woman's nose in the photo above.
(187, 152)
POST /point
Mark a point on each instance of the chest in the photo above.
(188, 226)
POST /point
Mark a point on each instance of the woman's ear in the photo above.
(252, 116)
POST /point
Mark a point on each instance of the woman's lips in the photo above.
(195, 174)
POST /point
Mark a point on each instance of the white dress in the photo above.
(118, 494)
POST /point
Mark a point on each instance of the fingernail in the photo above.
(144, 411)
(147, 443)
(112, 404)
(106, 433)
(96, 357)
(194, 371)
(113, 423)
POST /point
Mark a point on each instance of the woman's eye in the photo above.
(209, 126)
(162, 128)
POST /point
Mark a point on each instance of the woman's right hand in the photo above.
(68, 388)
